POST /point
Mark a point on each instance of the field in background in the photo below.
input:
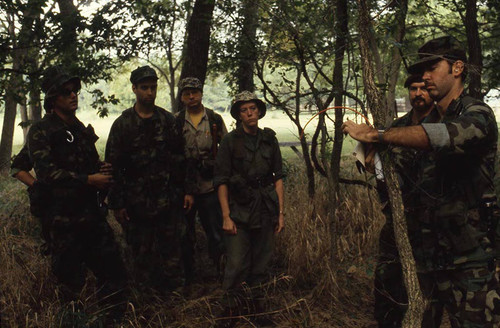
(286, 131)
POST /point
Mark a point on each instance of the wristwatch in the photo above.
(381, 136)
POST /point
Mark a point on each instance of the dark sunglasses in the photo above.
(67, 92)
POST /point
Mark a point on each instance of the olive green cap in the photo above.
(141, 73)
(445, 47)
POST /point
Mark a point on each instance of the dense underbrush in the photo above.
(323, 269)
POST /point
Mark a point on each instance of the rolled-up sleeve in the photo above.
(21, 162)
(222, 172)
(468, 131)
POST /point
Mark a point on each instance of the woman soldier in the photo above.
(249, 178)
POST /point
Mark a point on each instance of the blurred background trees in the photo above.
(299, 55)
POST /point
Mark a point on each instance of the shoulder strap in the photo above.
(214, 118)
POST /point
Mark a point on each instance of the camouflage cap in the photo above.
(52, 80)
(445, 47)
(190, 82)
(413, 79)
(244, 97)
(141, 73)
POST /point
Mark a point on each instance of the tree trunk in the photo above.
(197, 43)
(198, 40)
(395, 64)
(35, 108)
(342, 31)
(379, 110)
(23, 110)
(246, 46)
(69, 19)
(474, 45)
(311, 188)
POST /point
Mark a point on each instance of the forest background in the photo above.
(302, 57)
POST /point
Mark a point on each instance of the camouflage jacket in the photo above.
(21, 162)
(405, 159)
(249, 168)
(63, 156)
(199, 146)
(445, 225)
(148, 163)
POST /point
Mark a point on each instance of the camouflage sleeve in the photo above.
(277, 161)
(114, 155)
(465, 133)
(45, 168)
(21, 162)
(222, 172)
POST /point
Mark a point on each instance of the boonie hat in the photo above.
(244, 97)
(445, 47)
(54, 77)
(52, 80)
(190, 82)
(141, 73)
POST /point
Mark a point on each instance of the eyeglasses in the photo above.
(68, 92)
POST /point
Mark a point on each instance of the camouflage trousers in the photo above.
(470, 296)
(249, 254)
(154, 242)
(85, 241)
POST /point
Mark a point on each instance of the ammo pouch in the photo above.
(40, 196)
(453, 222)
(239, 190)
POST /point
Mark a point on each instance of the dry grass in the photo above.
(309, 290)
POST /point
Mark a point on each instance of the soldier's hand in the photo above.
(188, 202)
(106, 168)
(121, 215)
(280, 225)
(361, 132)
(100, 181)
(229, 226)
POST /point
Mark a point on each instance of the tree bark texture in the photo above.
(198, 40)
(69, 19)
(247, 53)
(378, 108)
(474, 47)
(15, 92)
(395, 64)
(11, 101)
(341, 31)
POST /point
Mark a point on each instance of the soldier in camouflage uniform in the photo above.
(248, 174)
(451, 226)
(67, 165)
(390, 294)
(145, 147)
(203, 130)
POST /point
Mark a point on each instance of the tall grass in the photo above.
(315, 285)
